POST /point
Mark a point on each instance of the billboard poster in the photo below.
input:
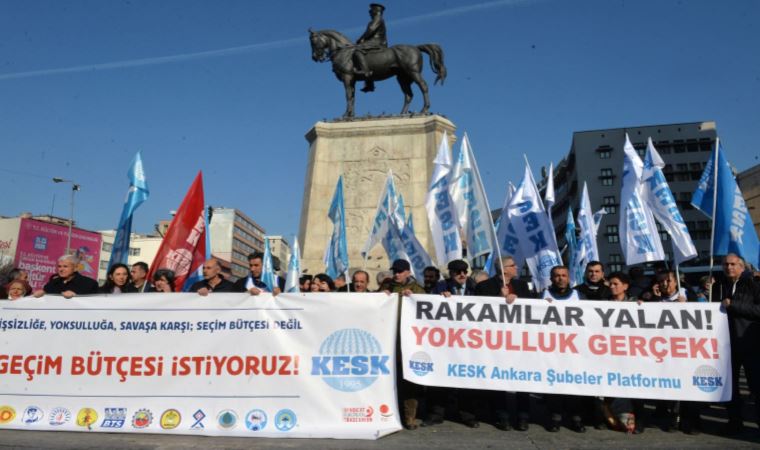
(40, 244)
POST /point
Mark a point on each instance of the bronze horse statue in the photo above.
(402, 61)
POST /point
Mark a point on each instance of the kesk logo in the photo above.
(350, 360)
(59, 416)
(256, 420)
(32, 414)
(170, 419)
(707, 379)
(86, 417)
(7, 414)
(421, 364)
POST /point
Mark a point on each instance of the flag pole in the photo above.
(714, 208)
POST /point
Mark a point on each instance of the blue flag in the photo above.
(337, 259)
(268, 276)
(732, 224)
(138, 192)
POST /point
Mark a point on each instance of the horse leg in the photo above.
(349, 84)
(417, 77)
(406, 88)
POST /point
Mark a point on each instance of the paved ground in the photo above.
(441, 437)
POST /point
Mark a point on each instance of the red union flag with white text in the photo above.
(184, 246)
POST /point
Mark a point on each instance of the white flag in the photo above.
(506, 237)
(474, 214)
(412, 250)
(659, 198)
(380, 223)
(587, 247)
(537, 241)
(598, 216)
(639, 238)
(294, 269)
(442, 215)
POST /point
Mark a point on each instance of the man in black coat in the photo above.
(68, 282)
(593, 287)
(506, 285)
(458, 282)
(740, 297)
(212, 281)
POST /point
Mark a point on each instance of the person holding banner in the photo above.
(508, 286)
(430, 277)
(402, 282)
(593, 287)
(740, 297)
(360, 281)
(17, 289)
(252, 283)
(117, 279)
(163, 280)
(322, 283)
(665, 289)
(212, 281)
(139, 275)
(68, 282)
(559, 404)
(458, 283)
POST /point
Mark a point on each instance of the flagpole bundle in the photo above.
(714, 209)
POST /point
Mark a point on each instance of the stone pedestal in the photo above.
(363, 151)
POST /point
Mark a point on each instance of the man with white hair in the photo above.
(68, 282)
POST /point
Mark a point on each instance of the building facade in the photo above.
(596, 157)
(234, 236)
(141, 248)
(280, 249)
(749, 183)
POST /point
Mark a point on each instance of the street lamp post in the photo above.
(74, 187)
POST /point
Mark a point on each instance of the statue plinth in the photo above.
(363, 151)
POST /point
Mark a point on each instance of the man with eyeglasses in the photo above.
(506, 285)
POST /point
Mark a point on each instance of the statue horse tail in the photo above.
(436, 61)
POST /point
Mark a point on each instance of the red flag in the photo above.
(183, 249)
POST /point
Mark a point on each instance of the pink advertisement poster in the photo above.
(40, 244)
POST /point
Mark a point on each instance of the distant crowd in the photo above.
(735, 288)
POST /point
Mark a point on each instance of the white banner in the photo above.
(668, 351)
(300, 365)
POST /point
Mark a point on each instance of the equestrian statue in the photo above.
(370, 60)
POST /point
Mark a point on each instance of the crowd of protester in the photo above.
(736, 288)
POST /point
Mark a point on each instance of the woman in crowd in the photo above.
(18, 289)
(117, 279)
(622, 414)
(163, 280)
(324, 283)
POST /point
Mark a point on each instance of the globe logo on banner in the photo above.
(707, 379)
(421, 364)
(350, 360)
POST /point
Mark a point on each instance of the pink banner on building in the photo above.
(40, 244)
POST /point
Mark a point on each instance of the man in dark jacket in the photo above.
(506, 285)
(458, 282)
(252, 283)
(593, 287)
(740, 297)
(68, 282)
(212, 281)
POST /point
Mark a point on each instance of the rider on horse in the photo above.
(373, 39)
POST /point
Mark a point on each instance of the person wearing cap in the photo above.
(462, 404)
(374, 38)
(402, 282)
(458, 283)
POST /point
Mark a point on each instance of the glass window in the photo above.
(613, 238)
(612, 229)
(609, 200)
(605, 154)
